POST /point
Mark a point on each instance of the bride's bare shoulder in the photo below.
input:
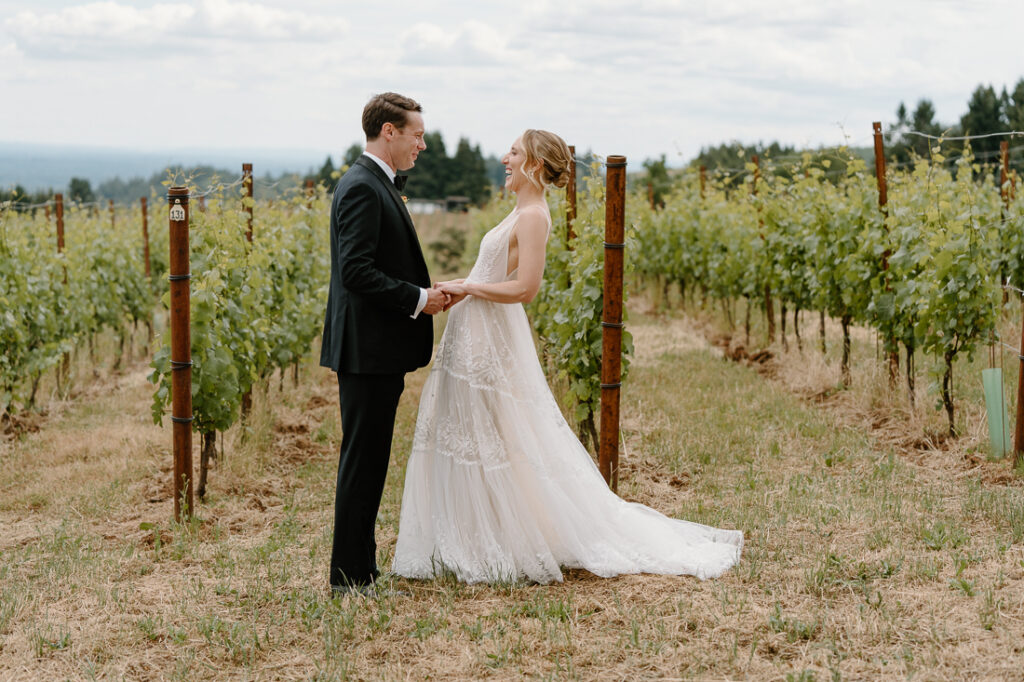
(534, 218)
(534, 214)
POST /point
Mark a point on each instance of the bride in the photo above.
(498, 488)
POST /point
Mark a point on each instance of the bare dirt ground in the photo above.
(867, 556)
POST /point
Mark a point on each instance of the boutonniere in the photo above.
(405, 199)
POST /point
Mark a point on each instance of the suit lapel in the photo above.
(391, 190)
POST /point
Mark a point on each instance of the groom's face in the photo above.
(407, 142)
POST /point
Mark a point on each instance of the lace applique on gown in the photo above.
(498, 487)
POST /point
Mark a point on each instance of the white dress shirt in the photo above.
(391, 178)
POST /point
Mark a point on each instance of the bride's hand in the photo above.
(442, 285)
(455, 289)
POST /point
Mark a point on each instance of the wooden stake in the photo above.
(570, 200)
(1018, 431)
(611, 324)
(1004, 192)
(246, 407)
(64, 373)
(893, 352)
(1005, 181)
(247, 181)
(181, 351)
(59, 199)
(769, 306)
(145, 235)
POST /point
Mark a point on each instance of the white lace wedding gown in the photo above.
(499, 488)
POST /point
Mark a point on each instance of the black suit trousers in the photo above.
(368, 406)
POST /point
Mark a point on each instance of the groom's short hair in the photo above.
(387, 107)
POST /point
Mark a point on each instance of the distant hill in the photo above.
(38, 166)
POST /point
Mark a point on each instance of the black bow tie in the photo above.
(400, 181)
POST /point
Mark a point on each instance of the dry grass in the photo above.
(865, 559)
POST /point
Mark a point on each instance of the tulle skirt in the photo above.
(498, 487)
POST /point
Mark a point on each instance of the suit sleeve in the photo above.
(358, 219)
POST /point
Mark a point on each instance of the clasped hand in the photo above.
(454, 290)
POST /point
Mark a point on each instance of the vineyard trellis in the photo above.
(256, 304)
(57, 294)
(924, 271)
(921, 254)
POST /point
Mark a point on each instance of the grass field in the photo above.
(868, 555)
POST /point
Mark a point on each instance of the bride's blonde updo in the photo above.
(553, 155)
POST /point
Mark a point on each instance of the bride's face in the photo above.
(515, 177)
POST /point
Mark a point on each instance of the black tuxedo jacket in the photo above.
(377, 269)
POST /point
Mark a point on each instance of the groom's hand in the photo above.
(455, 291)
(453, 299)
(437, 301)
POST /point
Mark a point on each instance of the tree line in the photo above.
(988, 111)
(466, 173)
(436, 174)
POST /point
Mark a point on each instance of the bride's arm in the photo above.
(531, 234)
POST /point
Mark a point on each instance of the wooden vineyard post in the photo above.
(1007, 192)
(58, 200)
(309, 194)
(703, 180)
(1004, 167)
(570, 200)
(611, 319)
(1018, 430)
(769, 307)
(247, 182)
(110, 207)
(883, 206)
(145, 235)
(181, 351)
(1004, 192)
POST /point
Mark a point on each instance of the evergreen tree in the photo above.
(1015, 107)
(657, 177)
(901, 144)
(18, 197)
(495, 171)
(428, 179)
(80, 190)
(354, 151)
(985, 114)
(731, 159)
(325, 176)
(468, 173)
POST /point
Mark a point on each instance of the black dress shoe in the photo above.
(354, 590)
(372, 591)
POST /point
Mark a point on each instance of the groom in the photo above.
(377, 326)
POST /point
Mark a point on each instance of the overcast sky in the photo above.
(638, 78)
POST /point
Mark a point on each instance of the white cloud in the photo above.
(250, 21)
(637, 77)
(472, 44)
(110, 29)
